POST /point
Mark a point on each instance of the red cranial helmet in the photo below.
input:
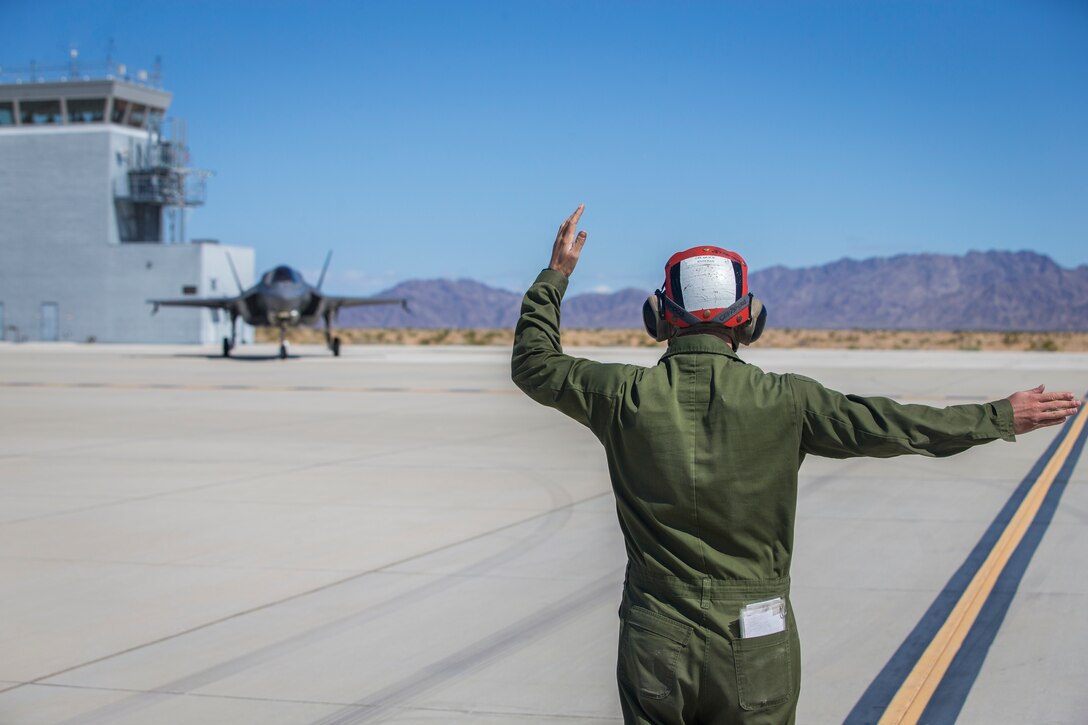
(706, 284)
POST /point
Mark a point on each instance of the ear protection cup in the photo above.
(656, 325)
(750, 331)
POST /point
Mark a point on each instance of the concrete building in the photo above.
(93, 202)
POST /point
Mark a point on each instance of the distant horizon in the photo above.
(599, 291)
(424, 140)
(974, 291)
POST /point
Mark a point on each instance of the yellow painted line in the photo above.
(910, 701)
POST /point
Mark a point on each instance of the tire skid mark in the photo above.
(386, 703)
(547, 525)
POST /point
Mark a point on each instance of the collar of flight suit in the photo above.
(705, 343)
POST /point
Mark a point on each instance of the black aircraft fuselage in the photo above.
(282, 297)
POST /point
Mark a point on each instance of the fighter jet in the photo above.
(281, 299)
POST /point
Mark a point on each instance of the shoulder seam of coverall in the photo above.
(799, 413)
(613, 394)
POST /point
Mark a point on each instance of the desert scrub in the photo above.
(1045, 344)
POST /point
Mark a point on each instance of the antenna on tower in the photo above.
(110, 47)
(73, 64)
(156, 74)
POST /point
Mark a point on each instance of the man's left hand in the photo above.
(568, 247)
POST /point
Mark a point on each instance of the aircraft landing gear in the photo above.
(283, 343)
(230, 342)
(333, 343)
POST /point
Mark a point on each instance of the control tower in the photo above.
(94, 196)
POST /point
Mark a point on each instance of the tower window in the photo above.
(117, 115)
(40, 112)
(136, 117)
(7, 113)
(86, 110)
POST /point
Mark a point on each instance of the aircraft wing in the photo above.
(221, 303)
(335, 303)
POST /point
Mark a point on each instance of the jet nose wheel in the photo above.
(283, 352)
(336, 347)
(226, 347)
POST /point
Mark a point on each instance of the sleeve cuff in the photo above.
(555, 279)
(1003, 419)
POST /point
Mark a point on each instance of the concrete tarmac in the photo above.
(398, 535)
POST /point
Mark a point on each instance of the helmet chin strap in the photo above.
(734, 309)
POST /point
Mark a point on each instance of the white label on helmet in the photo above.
(707, 283)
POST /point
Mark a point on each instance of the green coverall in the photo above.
(703, 452)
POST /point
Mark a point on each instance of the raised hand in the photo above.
(568, 247)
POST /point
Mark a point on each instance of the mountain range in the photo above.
(993, 290)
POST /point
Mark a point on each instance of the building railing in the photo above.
(76, 71)
(166, 187)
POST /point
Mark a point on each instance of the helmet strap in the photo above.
(734, 309)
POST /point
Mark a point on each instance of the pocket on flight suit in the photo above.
(764, 670)
(650, 647)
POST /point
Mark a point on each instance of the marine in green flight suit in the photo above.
(703, 451)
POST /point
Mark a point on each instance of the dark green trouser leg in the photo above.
(682, 662)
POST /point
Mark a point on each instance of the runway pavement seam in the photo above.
(173, 564)
(258, 476)
(323, 703)
(164, 494)
(245, 387)
(178, 693)
(127, 442)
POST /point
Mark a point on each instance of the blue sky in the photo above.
(449, 139)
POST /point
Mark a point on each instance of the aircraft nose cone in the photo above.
(284, 306)
(277, 303)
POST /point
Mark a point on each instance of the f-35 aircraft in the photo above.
(281, 299)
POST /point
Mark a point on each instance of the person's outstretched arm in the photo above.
(837, 425)
(582, 389)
